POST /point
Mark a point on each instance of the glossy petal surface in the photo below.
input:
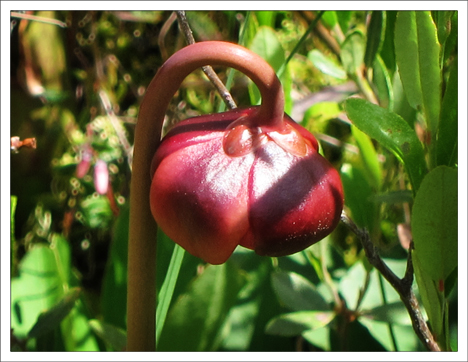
(220, 182)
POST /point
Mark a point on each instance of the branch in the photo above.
(208, 70)
(402, 286)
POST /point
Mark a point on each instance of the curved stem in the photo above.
(141, 299)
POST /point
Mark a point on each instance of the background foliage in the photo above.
(76, 88)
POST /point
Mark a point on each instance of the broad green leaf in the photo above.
(358, 192)
(294, 324)
(76, 332)
(37, 288)
(393, 313)
(417, 54)
(352, 51)
(319, 337)
(326, 65)
(434, 223)
(375, 36)
(369, 157)
(297, 293)
(447, 136)
(392, 132)
(50, 319)
(194, 321)
(114, 336)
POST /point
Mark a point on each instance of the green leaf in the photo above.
(375, 36)
(369, 157)
(358, 192)
(194, 321)
(297, 293)
(266, 18)
(37, 288)
(50, 319)
(114, 336)
(387, 51)
(326, 65)
(392, 132)
(417, 54)
(330, 18)
(434, 223)
(167, 289)
(293, 324)
(447, 136)
(344, 18)
(393, 313)
(352, 51)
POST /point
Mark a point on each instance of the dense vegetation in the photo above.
(77, 81)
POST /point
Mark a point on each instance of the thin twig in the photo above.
(39, 19)
(402, 286)
(208, 70)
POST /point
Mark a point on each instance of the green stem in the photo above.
(141, 298)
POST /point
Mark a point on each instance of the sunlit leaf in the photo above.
(326, 65)
(392, 132)
(417, 54)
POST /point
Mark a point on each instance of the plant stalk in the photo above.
(141, 298)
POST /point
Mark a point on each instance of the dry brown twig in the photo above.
(402, 286)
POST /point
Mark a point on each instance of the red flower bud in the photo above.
(229, 179)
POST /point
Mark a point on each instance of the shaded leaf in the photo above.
(297, 293)
(114, 336)
(49, 320)
(393, 313)
(358, 192)
(375, 36)
(392, 132)
(293, 324)
(434, 223)
(394, 197)
(447, 135)
(196, 318)
(430, 295)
